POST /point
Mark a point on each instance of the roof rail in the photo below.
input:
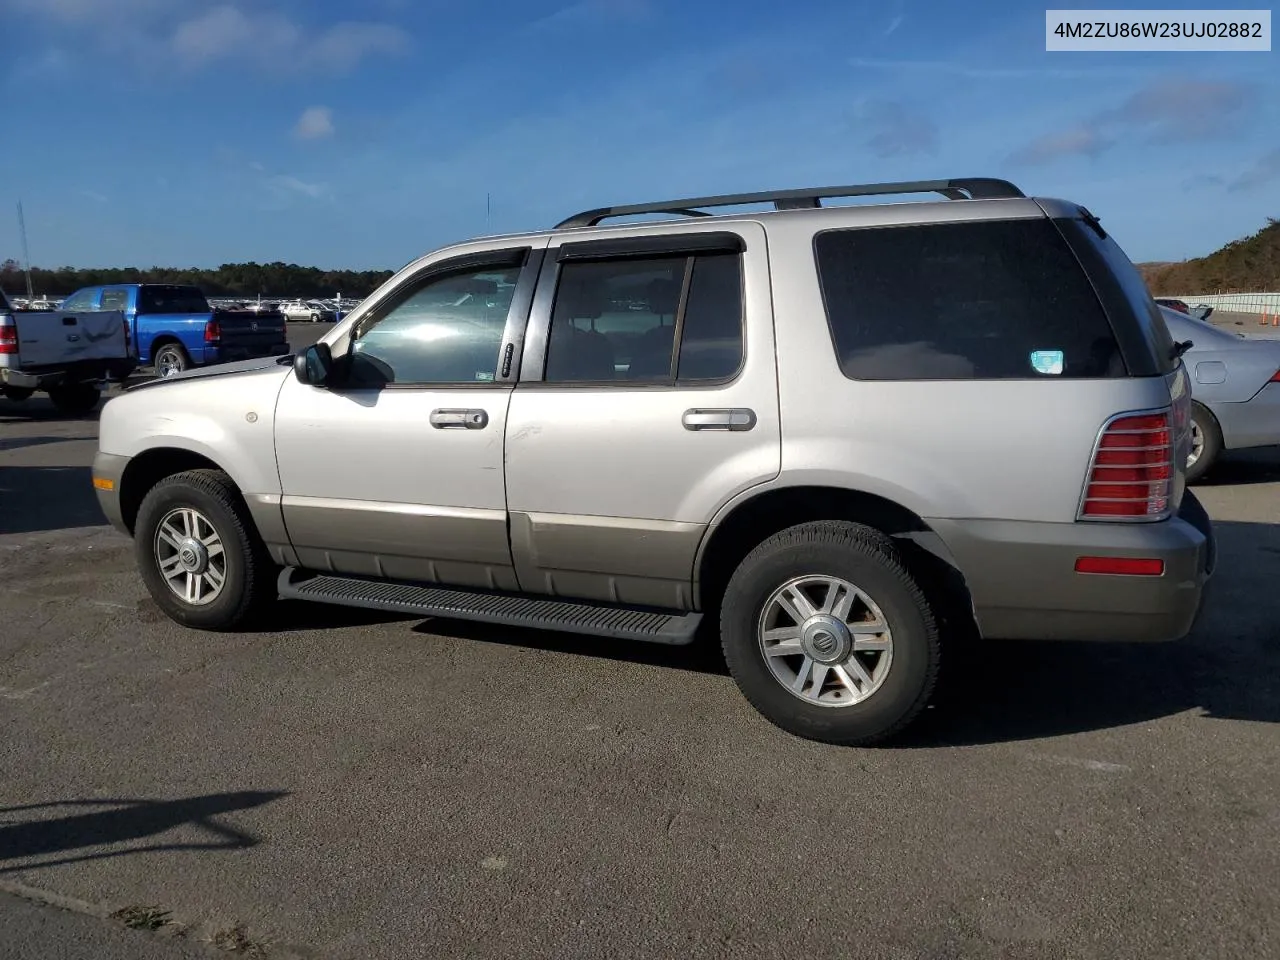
(965, 188)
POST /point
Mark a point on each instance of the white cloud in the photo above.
(89, 11)
(314, 124)
(227, 32)
(1085, 141)
(344, 45)
(284, 183)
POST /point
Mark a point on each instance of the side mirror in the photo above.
(314, 365)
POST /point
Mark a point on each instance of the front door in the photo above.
(648, 399)
(395, 470)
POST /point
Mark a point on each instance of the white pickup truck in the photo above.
(66, 354)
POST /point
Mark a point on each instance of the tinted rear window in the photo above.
(986, 300)
(172, 300)
(1128, 300)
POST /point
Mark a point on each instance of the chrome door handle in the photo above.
(464, 419)
(736, 418)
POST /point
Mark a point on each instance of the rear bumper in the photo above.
(230, 353)
(80, 371)
(1021, 576)
(108, 470)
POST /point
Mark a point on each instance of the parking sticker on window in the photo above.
(1047, 361)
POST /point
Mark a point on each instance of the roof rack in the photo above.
(966, 188)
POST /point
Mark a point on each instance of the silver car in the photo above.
(836, 438)
(1235, 390)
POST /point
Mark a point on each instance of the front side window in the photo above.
(79, 301)
(446, 329)
(647, 320)
(985, 300)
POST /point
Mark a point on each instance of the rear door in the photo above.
(647, 398)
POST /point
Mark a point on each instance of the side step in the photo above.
(514, 610)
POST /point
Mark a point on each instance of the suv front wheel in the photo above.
(199, 554)
(828, 635)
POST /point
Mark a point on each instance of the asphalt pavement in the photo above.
(339, 784)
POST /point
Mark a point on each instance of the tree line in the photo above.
(246, 280)
(1248, 265)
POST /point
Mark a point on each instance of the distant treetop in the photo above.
(246, 280)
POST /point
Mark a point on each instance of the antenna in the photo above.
(486, 213)
(26, 254)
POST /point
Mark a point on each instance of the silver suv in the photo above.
(843, 436)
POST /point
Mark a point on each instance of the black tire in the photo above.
(75, 399)
(1212, 433)
(171, 355)
(250, 578)
(867, 559)
(17, 394)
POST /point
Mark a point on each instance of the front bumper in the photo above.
(1022, 580)
(108, 471)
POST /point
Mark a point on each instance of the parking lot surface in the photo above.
(344, 784)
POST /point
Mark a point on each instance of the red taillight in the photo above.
(1275, 378)
(8, 337)
(1121, 566)
(1131, 476)
(212, 332)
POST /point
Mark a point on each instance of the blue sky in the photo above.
(179, 132)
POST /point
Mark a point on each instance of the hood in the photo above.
(219, 370)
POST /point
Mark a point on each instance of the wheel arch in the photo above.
(1213, 415)
(148, 468)
(743, 524)
(163, 340)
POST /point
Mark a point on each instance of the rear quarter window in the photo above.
(166, 299)
(986, 300)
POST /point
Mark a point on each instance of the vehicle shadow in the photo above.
(1238, 467)
(701, 656)
(38, 407)
(104, 822)
(19, 443)
(1005, 691)
(41, 499)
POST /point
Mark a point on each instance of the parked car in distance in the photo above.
(1172, 304)
(63, 353)
(173, 328)
(843, 437)
(1235, 390)
(310, 311)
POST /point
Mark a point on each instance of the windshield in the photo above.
(172, 299)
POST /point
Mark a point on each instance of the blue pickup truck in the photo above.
(173, 328)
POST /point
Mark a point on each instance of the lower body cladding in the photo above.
(1022, 577)
(1024, 580)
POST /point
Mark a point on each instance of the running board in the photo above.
(508, 609)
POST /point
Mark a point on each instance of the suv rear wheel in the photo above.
(828, 636)
(199, 554)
